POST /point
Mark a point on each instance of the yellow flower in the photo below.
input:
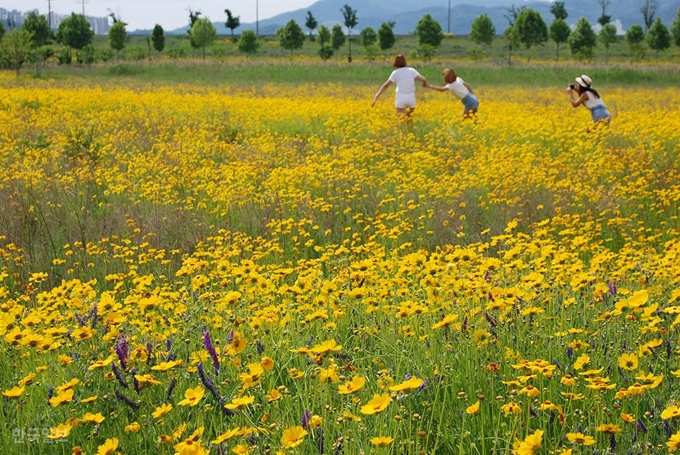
(628, 418)
(226, 436)
(14, 392)
(61, 398)
(511, 408)
(100, 363)
(628, 362)
(408, 385)
(189, 447)
(377, 404)
(670, 412)
(93, 418)
(356, 384)
(240, 450)
(448, 319)
(161, 411)
(382, 441)
(530, 391)
(349, 416)
(530, 445)
(60, 431)
(165, 366)
(108, 448)
(293, 436)
(674, 442)
(89, 399)
(267, 363)
(315, 421)
(274, 395)
(608, 428)
(68, 385)
(326, 347)
(134, 427)
(28, 379)
(474, 409)
(581, 439)
(582, 361)
(192, 396)
(240, 402)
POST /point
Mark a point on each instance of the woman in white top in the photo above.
(461, 90)
(589, 97)
(405, 79)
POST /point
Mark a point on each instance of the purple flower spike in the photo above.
(121, 349)
(211, 350)
(306, 418)
(81, 320)
(612, 288)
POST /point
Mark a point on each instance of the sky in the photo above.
(170, 14)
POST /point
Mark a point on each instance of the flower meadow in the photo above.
(281, 269)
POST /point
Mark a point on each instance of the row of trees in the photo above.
(526, 27)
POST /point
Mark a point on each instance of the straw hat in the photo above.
(584, 81)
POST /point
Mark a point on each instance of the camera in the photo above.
(572, 86)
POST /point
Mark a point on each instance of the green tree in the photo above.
(15, 48)
(291, 36)
(531, 28)
(350, 20)
(203, 33)
(39, 28)
(386, 38)
(483, 30)
(583, 39)
(658, 37)
(429, 31)
(193, 17)
(635, 38)
(248, 43)
(158, 38)
(311, 23)
(117, 37)
(75, 32)
(2, 30)
(512, 39)
(559, 33)
(368, 37)
(337, 37)
(604, 18)
(675, 29)
(233, 22)
(648, 11)
(88, 54)
(325, 51)
(324, 35)
(558, 10)
(607, 38)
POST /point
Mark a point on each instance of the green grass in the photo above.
(296, 71)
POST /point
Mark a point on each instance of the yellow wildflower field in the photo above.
(284, 269)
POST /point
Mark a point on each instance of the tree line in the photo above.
(526, 28)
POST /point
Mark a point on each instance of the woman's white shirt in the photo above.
(592, 101)
(405, 79)
(458, 88)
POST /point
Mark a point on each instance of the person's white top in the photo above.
(592, 101)
(458, 88)
(405, 79)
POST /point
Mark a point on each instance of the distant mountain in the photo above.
(407, 13)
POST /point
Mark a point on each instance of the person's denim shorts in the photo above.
(600, 113)
(470, 102)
